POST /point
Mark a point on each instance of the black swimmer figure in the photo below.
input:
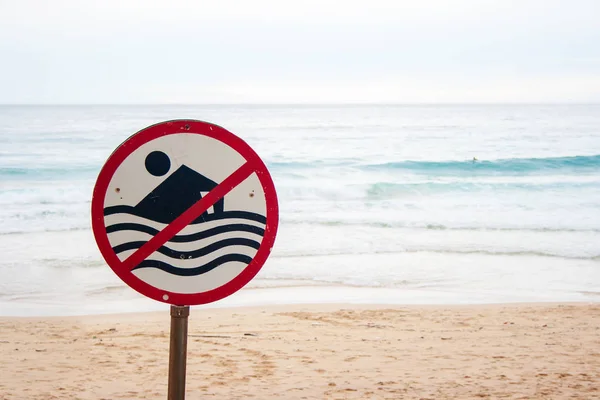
(182, 189)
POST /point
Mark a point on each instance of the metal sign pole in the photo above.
(185, 195)
(178, 352)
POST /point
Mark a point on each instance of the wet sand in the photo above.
(545, 351)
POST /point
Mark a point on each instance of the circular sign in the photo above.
(185, 212)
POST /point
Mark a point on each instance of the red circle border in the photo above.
(177, 127)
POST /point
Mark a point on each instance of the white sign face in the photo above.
(185, 214)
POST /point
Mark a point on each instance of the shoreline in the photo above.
(126, 300)
(324, 307)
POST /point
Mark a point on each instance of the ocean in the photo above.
(404, 204)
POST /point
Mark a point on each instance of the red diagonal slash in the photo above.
(188, 216)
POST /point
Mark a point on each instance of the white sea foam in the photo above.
(381, 197)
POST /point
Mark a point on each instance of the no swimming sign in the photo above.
(185, 212)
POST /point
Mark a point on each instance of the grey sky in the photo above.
(149, 51)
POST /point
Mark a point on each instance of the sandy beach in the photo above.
(545, 351)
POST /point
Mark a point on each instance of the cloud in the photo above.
(500, 89)
(69, 51)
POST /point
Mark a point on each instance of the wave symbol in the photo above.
(185, 255)
(231, 236)
(204, 218)
(209, 266)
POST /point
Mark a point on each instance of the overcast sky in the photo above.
(266, 51)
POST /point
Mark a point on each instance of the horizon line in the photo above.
(287, 104)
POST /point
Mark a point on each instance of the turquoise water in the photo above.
(430, 203)
(509, 167)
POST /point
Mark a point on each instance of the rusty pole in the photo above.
(178, 352)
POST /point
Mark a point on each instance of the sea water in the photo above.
(378, 203)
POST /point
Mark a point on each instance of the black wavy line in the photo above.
(191, 237)
(204, 218)
(235, 214)
(196, 270)
(184, 255)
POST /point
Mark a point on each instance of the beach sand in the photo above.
(545, 351)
